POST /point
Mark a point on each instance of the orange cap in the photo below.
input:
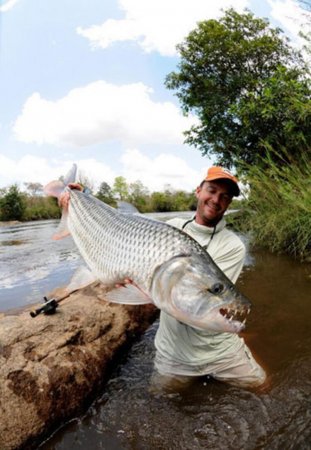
(220, 173)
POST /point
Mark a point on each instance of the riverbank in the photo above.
(53, 366)
(9, 223)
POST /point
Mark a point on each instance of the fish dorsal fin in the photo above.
(128, 295)
(71, 175)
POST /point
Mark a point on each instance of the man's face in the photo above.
(214, 197)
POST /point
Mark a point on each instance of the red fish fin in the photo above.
(54, 188)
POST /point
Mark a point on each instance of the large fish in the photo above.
(165, 265)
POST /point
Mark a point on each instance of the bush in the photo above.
(38, 208)
(277, 209)
(12, 204)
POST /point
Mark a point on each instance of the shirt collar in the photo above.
(208, 230)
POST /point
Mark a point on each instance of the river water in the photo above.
(209, 415)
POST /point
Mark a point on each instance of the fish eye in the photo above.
(216, 288)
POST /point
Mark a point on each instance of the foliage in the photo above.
(12, 204)
(39, 208)
(138, 196)
(105, 194)
(277, 208)
(160, 202)
(120, 188)
(172, 201)
(247, 86)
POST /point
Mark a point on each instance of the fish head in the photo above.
(195, 291)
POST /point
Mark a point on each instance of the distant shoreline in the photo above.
(169, 213)
(8, 223)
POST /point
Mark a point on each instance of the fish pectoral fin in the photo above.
(128, 294)
(81, 278)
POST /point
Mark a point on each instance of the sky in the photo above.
(82, 81)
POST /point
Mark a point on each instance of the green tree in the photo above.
(105, 194)
(248, 87)
(183, 201)
(12, 204)
(138, 195)
(120, 188)
(161, 202)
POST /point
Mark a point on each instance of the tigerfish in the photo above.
(165, 265)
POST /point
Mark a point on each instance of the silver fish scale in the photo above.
(117, 246)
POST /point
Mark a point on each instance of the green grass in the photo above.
(277, 207)
(41, 208)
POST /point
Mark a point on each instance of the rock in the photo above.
(53, 366)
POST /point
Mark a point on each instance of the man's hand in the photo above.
(64, 198)
(125, 282)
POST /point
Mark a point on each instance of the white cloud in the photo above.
(134, 165)
(99, 112)
(291, 17)
(8, 5)
(157, 25)
(42, 170)
(162, 170)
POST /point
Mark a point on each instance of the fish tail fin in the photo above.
(55, 189)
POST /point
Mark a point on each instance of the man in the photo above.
(183, 352)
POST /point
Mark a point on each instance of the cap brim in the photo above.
(235, 188)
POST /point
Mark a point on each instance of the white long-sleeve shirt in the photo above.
(187, 348)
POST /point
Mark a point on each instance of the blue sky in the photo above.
(83, 81)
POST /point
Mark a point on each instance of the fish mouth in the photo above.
(229, 318)
(233, 317)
